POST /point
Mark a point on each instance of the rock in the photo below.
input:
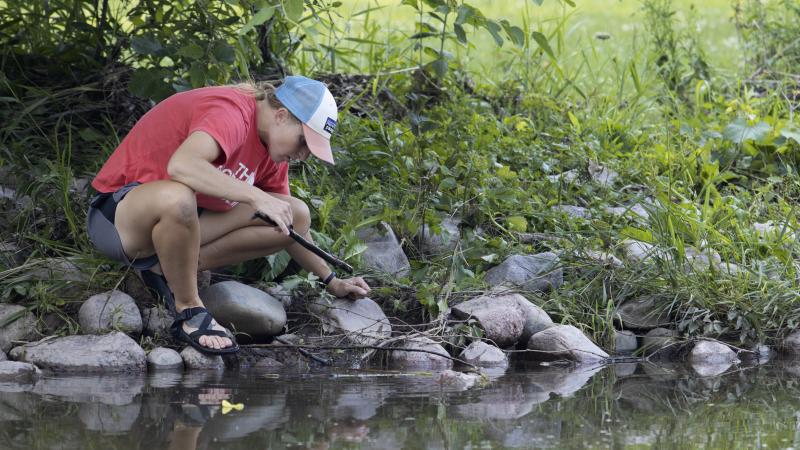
(712, 352)
(20, 325)
(602, 174)
(622, 370)
(268, 363)
(203, 279)
(443, 242)
(157, 321)
(244, 309)
(193, 359)
(502, 318)
(565, 177)
(108, 389)
(638, 251)
(361, 320)
(164, 358)
(8, 194)
(3, 356)
(575, 212)
(384, 254)
(458, 381)
(791, 344)
(625, 342)
(660, 342)
(539, 272)
(770, 229)
(730, 269)
(110, 419)
(758, 354)
(644, 313)
(411, 360)
(282, 294)
(603, 258)
(536, 319)
(482, 354)
(565, 342)
(635, 211)
(91, 353)
(700, 260)
(112, 310)
(80, 186)
(14, 371)
(61, 269)
(10, 255)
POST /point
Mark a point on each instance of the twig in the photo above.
(304, 352)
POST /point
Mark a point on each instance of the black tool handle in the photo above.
(308, 245)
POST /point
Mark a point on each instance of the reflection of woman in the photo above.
(179, 193)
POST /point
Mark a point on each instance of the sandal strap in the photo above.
(188, 313)
(204, 329)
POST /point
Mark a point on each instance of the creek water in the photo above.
(617, 406)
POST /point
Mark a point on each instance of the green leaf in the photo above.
(223, 52)
(278, 262)
(412, 3)
(464, 14)
(439, 67)
(637, 234)
(145, 45)
(263, 15)
(791, 132)
(149, 83)
(740, 130)
(293, 9)
(198, 74)
(191, 51)
(460, 34)
(355, 249)
(494, 30)
(543, 44)
(514, 33)
(517, 223)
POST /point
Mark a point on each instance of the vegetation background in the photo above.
(450, 109)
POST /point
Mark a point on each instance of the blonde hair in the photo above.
(263, 90)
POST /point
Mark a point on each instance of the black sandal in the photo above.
(158, 287)
(203, 329)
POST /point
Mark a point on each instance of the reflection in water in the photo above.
(549, 407)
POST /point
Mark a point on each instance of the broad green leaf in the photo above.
(145, 45)
(412, 3)
(223, 52)
(542, 41)
(149, 83)
(740, 130)
(494, 30)
(514, 33)
(637, 234)
(293, 9)
(355, 249)
(263, 15)
(464, 14)
(517, 223)
(439, 67)
(197, 74)
(191, 51)
(460, 34)
(791, 132)
(278, 262)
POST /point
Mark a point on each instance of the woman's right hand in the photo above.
(276, 209)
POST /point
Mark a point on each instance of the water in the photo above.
(635, 406)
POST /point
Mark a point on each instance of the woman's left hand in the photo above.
(352, 288)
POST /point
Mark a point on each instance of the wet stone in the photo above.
(482, 354)
(113, 310)
(539, 272)
(565, 342)
(85, 353)
(18, 372)
(712, 352)
(193, 359)
(22, 328)
(245, 309)
(625, 342)
(457, 381)
(414, 360)
(164, 358)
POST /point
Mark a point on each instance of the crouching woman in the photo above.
(180, 192)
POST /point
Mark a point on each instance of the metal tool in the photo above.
(310, 246)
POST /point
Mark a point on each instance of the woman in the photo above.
(180, 192)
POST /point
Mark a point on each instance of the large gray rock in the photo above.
(112, 310)
(383, 254)
(415, 360)
(644, 313)
(661, 343)
(92, 353)
(711, 358)
(539, 272)
(157, 321)
(362, 320)
(445, 240)
(565, 342)
(193, 359)
(481, 354)
(73, 279)
(164, 358)
(505, 319)
(638, 251)
(16, 324)
(625, 342)
(244, 309)
(18, 372)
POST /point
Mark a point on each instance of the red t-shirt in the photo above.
(225, 113)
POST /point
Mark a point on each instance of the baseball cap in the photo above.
(312, 103)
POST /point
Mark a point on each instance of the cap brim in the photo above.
(318, 145)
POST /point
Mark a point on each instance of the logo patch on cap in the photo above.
(330, 125)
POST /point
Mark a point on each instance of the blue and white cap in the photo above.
(311, 102)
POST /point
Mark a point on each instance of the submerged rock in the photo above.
(384, 254)
(164, 358)
(458, 381)
(361, 320)
(482, 354)
(539, 272)
(91, 353)
(415, 360)
(644, 313)
(244, 309)
(15, 371)
(112, 310)
(193, 359)
(565, 342)
(109, 419)
(20, 329)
